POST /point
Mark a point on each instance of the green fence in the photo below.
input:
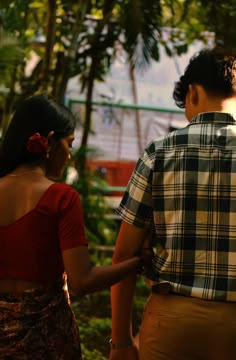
(116, 130)
(72, 102)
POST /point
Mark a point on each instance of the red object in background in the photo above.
(116, 173)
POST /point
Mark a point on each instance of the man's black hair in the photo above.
(213, 69)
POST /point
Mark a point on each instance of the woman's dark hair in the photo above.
(213, 69)
(37, 114)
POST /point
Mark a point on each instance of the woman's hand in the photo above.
(127, 353)
(146, 255)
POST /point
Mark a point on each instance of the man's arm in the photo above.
(129, 241)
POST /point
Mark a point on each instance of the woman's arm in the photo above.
(84, 279)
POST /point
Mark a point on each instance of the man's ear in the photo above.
(193, 94)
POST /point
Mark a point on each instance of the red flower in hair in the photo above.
(37, 144)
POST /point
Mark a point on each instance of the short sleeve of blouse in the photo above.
(71, 223)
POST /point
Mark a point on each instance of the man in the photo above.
(184, 189)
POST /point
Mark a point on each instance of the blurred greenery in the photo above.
(100, 225)
(93, 313)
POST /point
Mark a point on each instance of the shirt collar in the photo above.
(214, 117)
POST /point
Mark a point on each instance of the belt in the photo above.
(164, 289)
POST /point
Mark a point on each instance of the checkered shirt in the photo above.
(184, 187)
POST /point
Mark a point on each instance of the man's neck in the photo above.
(218, 105)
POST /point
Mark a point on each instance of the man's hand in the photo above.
(146, 255)
(127, 353)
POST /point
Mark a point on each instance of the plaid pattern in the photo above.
(184, 186)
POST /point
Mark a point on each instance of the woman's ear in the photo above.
(50, 134)
(49, 143)
(49, 137)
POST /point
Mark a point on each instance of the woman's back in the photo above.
(20, 194)
(34, 231)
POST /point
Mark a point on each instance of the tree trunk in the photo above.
(135, 98)
(50, 39)
(87, 120)
(64, 63)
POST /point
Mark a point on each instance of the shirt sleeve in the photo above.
(71, 221)
(136, 205)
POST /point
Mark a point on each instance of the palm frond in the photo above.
(141, 21)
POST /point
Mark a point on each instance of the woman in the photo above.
(42, 237)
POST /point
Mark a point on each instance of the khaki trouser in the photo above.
(183, 328)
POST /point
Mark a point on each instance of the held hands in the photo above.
(146, 256)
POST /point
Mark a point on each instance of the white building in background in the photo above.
(114, 134)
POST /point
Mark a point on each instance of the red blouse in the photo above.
(31, 247)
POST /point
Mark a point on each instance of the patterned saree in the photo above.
(38, 325)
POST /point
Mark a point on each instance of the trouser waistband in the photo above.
(162, 288)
